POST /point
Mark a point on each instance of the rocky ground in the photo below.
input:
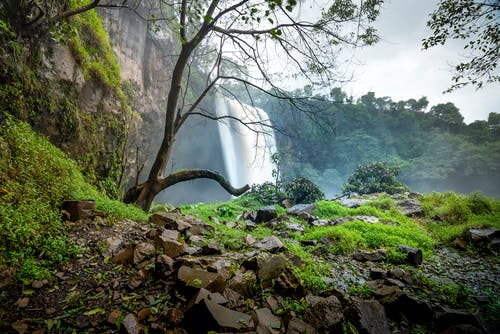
(168, 276)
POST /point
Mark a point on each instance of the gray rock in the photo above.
(374, 256)
(299, 208)
(170, 220)
(352, 202)
(484, 235)
(410, 207)
(266, 214)
(367, 219)
(321, 222)
(413, 255)
(131, 325)
(113, 245)
(270, 244)
(294, 227)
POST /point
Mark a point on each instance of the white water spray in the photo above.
(247, 149)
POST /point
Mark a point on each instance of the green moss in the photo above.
(36, 178)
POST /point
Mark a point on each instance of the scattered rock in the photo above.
(271, 244)
(22, 302)
(267, 322)
(410, 207)
(447, 317)
(170, 220)
(366, 219)
(266, 214)
(377, 273)
(297, 326)
(200, 228)
(143, 251)
(413, 255)
(114, 316)
(489, 236)
(131, 325)
(297, 227)
(321, 222)
(370, 318)
(164, 266)
(125, 255)
(113, 245)
(171, 247)
(249, 239)
(271, 269)
(325, 315)
(174, 316)
(309, 242)
(244, 283)
(352, 202)
(39, 284)
(211, 249)
(300, 208)
(201, 279)
(374, 256)
(140, 277)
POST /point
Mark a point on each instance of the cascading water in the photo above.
(247, 149)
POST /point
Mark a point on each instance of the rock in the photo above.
(249, 239)
(200, 228)
(352, 202)
(459, 243)
(171, 247)
(209, 316)
(413, 255)
(386, 294)
(113, 245)
(320, 222)
(266, 214)
(370, 318)
(170, 234)
(248, 215)
(309, 242)
(174, 316)
(139, 277)
(201, 279)
(297, 326)
(325, 315)
(410, 207)
(463, 329)
(170, 220)
(271, 244)
(234, 299)
(131, 325)
(366, 219)
(287, 282)
(114, 316)
(267, 322)
(222, 266)
(485, 235)
(124, 256)
(377, 273)
(447, 317)
(22, 302)
(244, 283)
(250, 225)
(164, 266)
(299, 208)
(211, 249)
(6, 278)
(21, 326)
(144, 313)
(375, 256)
(271, 269)
(143, 251)
(401, 274)
(274, 302)
(415, 310)
(196, 240)
(297, 227)
(79, 209)
(39, 284)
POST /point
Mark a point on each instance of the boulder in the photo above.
(267, 322)
(200, 228)
(325, 314)
(271, 244)
(447, 317)
(195, 278)
(352, 202)
(463, 329)
(244, 283)
(266, 214)
(413, 255)
(164, 266)
(113, 245)
(300, 208)
(366, 219)
(369, 317)
(211, 249)
(415, 310)
(170, 246)
(484, 235)
(410, 207)
(124, 256)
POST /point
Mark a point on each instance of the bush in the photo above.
(479, 204)
(266, 194)
(373, 178)
(301, 190)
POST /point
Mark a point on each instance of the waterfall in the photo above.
(247, 151)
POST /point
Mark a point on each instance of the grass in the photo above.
(36, 178)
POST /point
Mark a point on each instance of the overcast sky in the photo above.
(398, 68)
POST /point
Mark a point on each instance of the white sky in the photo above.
(398, 68)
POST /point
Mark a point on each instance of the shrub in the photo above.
(479, 204)
(266, 193)
(301, 190)
(375, 177)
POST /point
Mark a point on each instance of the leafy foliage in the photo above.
(266, 193)
(302, 190)
(375, 177)
(475, 23)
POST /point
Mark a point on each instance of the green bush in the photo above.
(373, 178)
(479, 204)
(301, 190)
(266, 194)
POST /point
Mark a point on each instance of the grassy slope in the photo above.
(36, 178)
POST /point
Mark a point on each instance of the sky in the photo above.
(398, 67)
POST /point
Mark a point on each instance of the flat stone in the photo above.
(270, 244)
(483, 234)
(267, 322)
(195, 278)
(299, 208)
(294, 227)
(320, 222)
(367, 219)
(410, 207)
(200, 228)
(352, 202)
(377, 273)
(234, 299)
(374, 256)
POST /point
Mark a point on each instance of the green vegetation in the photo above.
(374, 178)
(36, 178)
(302, 190)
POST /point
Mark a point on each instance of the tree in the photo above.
(448, 116)
(226, 34)
(477, 24)
(374, 177)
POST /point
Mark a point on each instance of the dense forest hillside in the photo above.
(328, 136)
